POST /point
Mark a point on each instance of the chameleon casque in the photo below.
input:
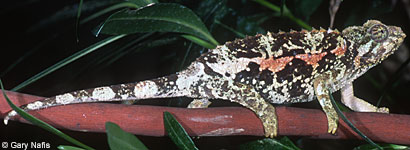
(284, 67)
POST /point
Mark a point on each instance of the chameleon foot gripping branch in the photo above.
(284, 67)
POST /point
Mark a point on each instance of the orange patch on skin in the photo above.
(339, 51)
(275, 65)
(311, 59)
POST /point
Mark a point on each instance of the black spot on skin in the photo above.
(246, 45)
(225, 86)
(210, 72)
(329, 39)
(278, 43)
(298, 68)
(296, 89)
(210, 57)
(348, 59)
(195, 91)
(248, 75)
(207, 91)
(326, 61)
(227, 74)
(296, 38)
(164, 82)
(281, 39)
(266, 76)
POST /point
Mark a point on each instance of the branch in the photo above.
(221, 121)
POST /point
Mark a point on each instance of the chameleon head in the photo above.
(373, 42)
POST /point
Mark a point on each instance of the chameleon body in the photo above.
(284, 67)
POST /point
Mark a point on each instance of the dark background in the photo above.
(38, 34)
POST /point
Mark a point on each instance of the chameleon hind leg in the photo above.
(251, 99)
(322, 94)
(357, 104)
(248, 97)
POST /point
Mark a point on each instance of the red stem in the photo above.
(147, 120)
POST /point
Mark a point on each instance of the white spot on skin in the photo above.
(65, 98)
(329, 30)
(191, 76)
(264, 41)
(229, 65)
(363, 49)
(322, 102)
(320, 90)
(291, 46)
(35, 105)
(103, 93)
(145, 89)
(124, 96)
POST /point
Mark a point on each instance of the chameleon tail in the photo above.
(157, 88)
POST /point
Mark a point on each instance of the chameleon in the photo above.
(261, 70)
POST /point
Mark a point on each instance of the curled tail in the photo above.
(157, 88)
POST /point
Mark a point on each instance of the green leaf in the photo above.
(109, 9)
(40, 123)
(271, 144)
(118, 139)
(66, 147)
(163, 17)
(384, 146)
(286, 141)
(177, 133)
(199, 41)
(67, 61)
(211, 10)
(143, 2)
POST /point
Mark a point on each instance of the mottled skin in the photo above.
(284, 67)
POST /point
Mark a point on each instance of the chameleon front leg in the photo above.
(322, 94)
(357, 104)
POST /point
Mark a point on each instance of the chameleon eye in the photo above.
(378, 32)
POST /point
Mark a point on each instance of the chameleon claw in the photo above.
(332, 126)
(332, 130)
(270, 132)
